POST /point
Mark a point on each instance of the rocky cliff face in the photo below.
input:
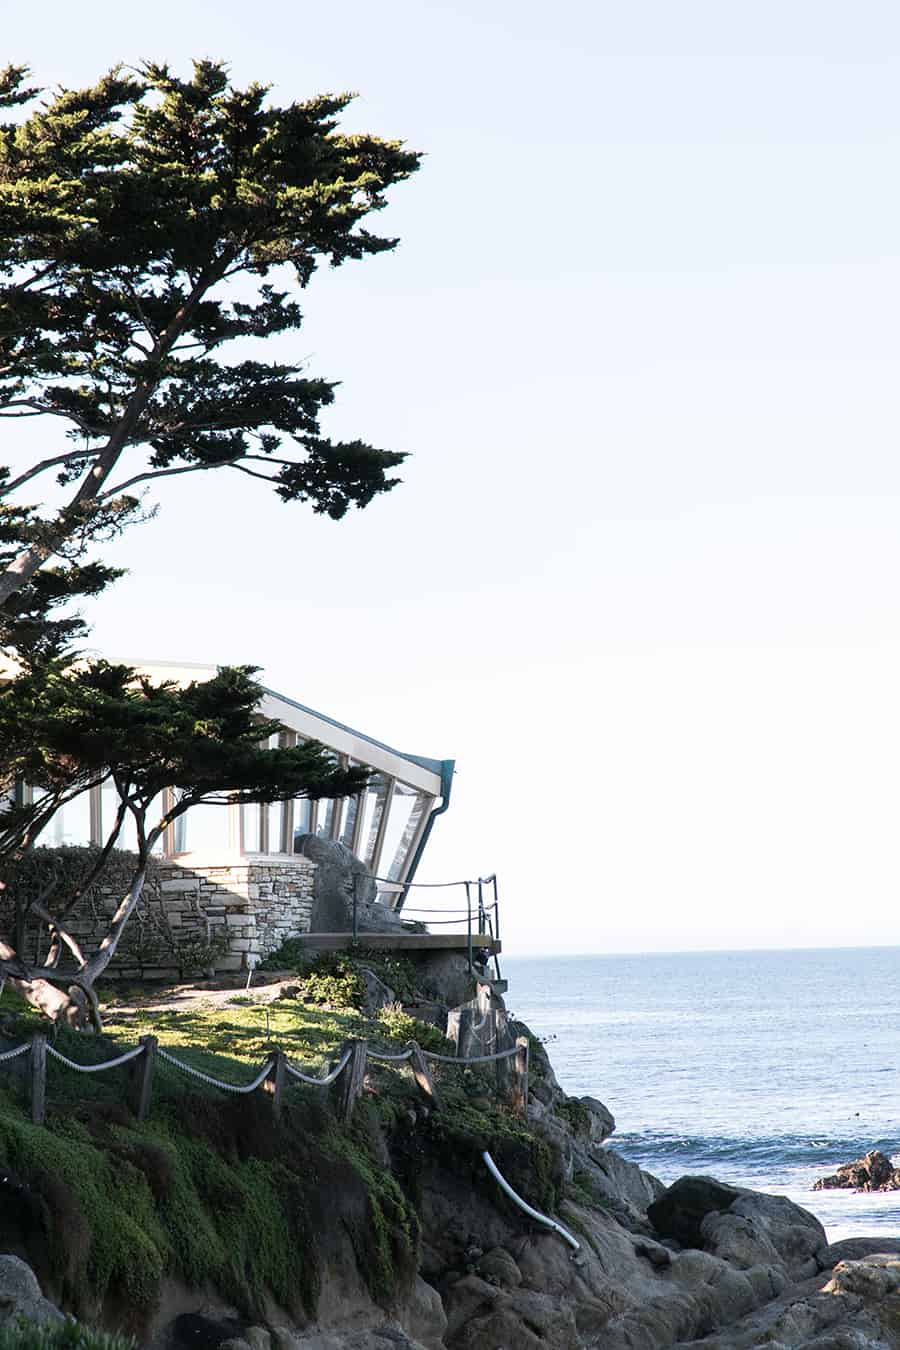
(696, 1264)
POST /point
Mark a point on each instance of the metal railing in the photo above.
(480, 913)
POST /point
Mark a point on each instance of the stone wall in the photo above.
(192, 920)
(249, 907)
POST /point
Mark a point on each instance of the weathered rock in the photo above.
(258, 1338)
(679, 1212)
(20, 1294)
(856, 1249)
(465, 1299)
(659, 1256)
(521, 1319)
(376, 993)
(445, 978)
(423, 1315)
(386, 1336)
(873, 1172)
(795, 1234)
(498, 1267)
(738, 1240)
(875, 1277)
(339, 877)
(602, 1121)
(625, 1180)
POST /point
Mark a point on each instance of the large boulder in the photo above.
(622, 1180)
(796, 1235)
(20, 1294)
(681, 1209)
(601, 1121)
(745, 1228)
(856, 1249)
(339, 877)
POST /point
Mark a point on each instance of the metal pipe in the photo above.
(525, 1207)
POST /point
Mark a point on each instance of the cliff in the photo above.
(214, 1224)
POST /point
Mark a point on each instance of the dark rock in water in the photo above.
(857, 1249)
(873, 1172)
(680, 1210)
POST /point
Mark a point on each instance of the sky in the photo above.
(640, 341)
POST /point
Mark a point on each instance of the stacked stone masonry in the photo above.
(193, 920)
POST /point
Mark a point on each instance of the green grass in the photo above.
(68, 1335)
(211, 1188)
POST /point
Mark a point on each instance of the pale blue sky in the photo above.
(641, 338)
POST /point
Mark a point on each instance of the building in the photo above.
(234, 878)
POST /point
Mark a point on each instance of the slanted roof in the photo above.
(428, 775)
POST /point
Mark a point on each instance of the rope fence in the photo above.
(349, 1072)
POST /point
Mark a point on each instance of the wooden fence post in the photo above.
(349, 1085)
(141, 1087)
(520, 1088)
(274, 1084)
(38, 1077)
(423, 1076)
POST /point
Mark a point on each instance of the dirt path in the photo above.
(264, 988)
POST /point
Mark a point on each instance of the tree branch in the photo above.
(162, 473)
(40, 467)
(58, 931)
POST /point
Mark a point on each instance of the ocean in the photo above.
(767, 1069)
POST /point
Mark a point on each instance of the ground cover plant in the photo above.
(67, 1335)
(211, 1187)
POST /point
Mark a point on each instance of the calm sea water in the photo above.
(767, 1069)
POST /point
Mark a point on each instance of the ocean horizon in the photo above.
(765, 1067)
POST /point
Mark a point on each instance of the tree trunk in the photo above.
(20, 571)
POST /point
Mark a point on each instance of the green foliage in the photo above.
(68, 1335)
(126, 210)
(333, 981)
(472, 1121)
(576, 1115)
(101, 1222)
(291, 955)
(214, 1193)
(64, 729)
(397, 1025)
(397, 972)
(385, 1243)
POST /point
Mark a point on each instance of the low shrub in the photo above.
(68, 1335)
(335, 981)
(397, 1025)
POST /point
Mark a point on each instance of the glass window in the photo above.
(407, 807)
(71, 824)
(274, 816)
(250, 821)
(325, 818)
(373, 800)
(348, 812)
(109, 805)
(303, 810)
(202, 829)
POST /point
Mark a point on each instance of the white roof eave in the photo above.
(348, 742)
